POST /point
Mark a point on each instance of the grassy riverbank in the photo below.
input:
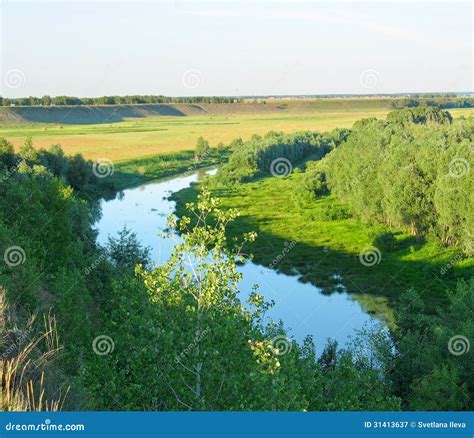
(326, 252)
(133, 172)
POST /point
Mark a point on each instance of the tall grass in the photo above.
(25, 355)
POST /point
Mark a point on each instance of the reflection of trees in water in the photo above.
(95, 211)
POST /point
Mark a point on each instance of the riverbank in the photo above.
(130, 173)
(328, 253)
(127, 174)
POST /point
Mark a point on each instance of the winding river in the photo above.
(302, 307)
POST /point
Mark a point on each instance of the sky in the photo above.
(189, 48)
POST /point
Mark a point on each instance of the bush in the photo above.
(333, 212)
(386, 241)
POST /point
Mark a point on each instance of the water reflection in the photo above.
(301, 306)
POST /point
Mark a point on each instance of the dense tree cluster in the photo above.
(447, 101)
(420, 115)
(431, 366)
(263, 155)
(49, 228)
(111, 100)
(72, 170)
(411, 171)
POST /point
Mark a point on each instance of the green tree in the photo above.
(78, 172)
(28, 153)
(126, 252)
(7, 154)
(207, 332)
(55, 160)
(202, 148)
(440, 390)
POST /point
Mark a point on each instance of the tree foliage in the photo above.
(259, 155)
(411, 176)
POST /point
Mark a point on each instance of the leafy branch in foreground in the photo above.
(213, 336)
(217, 354)
(185, 341)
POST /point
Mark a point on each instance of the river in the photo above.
(302, 307)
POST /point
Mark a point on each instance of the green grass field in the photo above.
(140, 137)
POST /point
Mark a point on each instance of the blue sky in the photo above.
(182, 48)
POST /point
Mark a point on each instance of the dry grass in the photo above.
(169, 134)
(24, 357)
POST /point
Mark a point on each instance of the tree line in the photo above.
(75, 170)
(445, 101)
(111, 100)
(411, 172)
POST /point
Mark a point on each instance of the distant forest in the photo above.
(111, 100)
(448, 100)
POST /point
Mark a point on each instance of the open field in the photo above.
(150, 135)
(156, 135)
